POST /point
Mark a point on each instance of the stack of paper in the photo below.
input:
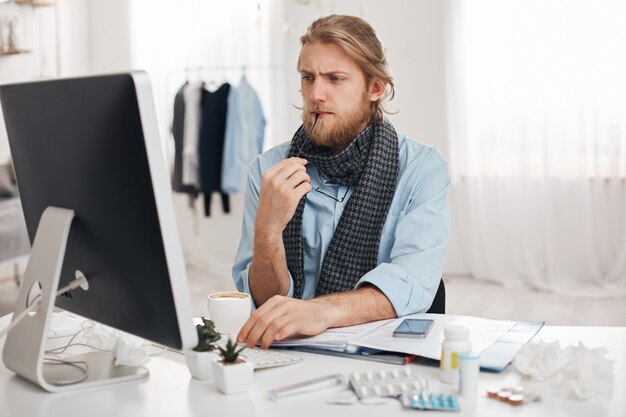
(485, 335)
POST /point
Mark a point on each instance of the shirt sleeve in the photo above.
(243, 258)
(411, 278)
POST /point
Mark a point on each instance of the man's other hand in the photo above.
(282, 187)
(281, 317)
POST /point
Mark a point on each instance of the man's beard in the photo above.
(344, 128)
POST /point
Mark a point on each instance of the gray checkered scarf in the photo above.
(370, 165)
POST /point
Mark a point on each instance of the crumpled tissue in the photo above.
(126, 349)
(573, 370)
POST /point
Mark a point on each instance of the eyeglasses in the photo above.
(339, 200)
(306, 138)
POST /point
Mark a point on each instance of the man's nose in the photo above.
(318, 91)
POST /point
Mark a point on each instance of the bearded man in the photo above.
(348, 222)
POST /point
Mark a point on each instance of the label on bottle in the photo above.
(454, 360)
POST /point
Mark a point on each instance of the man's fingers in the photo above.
(294, 163)
(262, 319)
(303, 189)
(261, 326)
(286, 168)
(285, 330)
(277, 326)
(298, 178)
(288, 171)
(251, 322)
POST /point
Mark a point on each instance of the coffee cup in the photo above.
(229, 311)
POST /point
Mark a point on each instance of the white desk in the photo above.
(170, 390)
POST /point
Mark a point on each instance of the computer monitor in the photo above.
(91, 146)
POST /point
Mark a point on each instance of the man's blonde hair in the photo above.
(357, 37)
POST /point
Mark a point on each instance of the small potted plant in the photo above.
(232, 373)
(200, 358)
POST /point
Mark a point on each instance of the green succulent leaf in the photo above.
(207, 336)
(230, 353)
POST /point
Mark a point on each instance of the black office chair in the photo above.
(439, 302)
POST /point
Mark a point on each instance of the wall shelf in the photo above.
(14, 52)
(36, 3)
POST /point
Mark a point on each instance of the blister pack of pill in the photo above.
(385, 383)
(401, 383)
(424, 400)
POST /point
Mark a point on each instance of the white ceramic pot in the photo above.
(233, 378)
(199, 363)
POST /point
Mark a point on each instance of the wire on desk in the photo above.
(75, 364)
(80, 281)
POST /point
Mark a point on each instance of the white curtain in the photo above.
(537, 123)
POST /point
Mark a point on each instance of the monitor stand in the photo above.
(25, 345)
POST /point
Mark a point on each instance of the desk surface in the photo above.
(170, 390)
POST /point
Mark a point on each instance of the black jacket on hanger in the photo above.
(178, 127)
(211, 146)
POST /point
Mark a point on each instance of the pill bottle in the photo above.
(469, 370)
(456, 341)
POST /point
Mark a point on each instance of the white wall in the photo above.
(35, 31)
(93, 36)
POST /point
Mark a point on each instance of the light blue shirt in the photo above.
(413, 242)
(243, 137)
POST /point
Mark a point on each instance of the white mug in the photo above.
(229, 311)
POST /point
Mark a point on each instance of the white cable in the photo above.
(80, 281)
(85, 371)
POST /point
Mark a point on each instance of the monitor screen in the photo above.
(92, 145)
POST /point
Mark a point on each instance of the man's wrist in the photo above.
(329, 312)
(267, 238)
(365, 304)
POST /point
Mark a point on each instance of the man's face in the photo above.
(333, 86)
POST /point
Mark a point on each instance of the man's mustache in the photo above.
(317, 110)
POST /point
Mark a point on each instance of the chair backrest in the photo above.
(439, 302)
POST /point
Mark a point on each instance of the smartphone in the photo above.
(413, 328)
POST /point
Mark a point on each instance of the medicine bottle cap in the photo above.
(468, 356)
(454, 332)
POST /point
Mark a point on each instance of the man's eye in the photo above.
(307, 78)
(335, 79)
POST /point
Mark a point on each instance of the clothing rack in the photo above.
(208, 68)
(230, 67)
(216, 68)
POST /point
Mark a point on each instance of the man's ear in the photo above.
(376, 89)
